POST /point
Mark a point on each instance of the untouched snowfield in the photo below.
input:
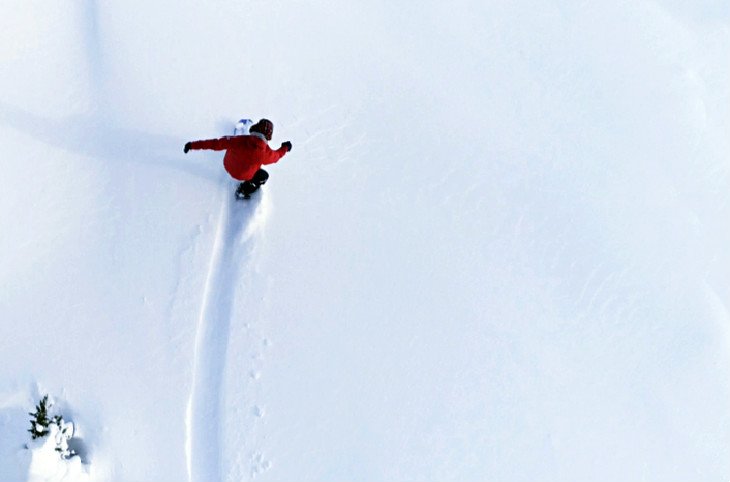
(497, 252)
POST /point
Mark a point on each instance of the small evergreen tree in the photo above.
(40, 421)
(42, 424)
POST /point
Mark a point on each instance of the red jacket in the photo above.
(244, 154)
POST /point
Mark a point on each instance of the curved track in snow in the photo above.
(232, 249)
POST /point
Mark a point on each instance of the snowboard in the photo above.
(242, 126)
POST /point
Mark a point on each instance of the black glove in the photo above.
(186, 148)
(286, 144)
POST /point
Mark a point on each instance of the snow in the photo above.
(46, 464)
(497, 250)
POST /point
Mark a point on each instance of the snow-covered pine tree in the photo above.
(63, 435)
(42, 425)
(40, 421)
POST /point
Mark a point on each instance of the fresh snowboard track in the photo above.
(231, 251)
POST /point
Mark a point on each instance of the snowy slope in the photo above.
(496, 251)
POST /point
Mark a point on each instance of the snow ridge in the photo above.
(238, 222)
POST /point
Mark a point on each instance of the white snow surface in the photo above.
(497, 252)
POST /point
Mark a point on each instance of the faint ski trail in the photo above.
(231, 251)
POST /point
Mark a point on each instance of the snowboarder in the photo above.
(245, 155)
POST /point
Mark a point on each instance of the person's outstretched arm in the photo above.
(275, 155)
(210, 144)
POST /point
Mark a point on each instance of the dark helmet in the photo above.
(265, 127)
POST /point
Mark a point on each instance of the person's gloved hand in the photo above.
(287, 144)
(186, 148)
